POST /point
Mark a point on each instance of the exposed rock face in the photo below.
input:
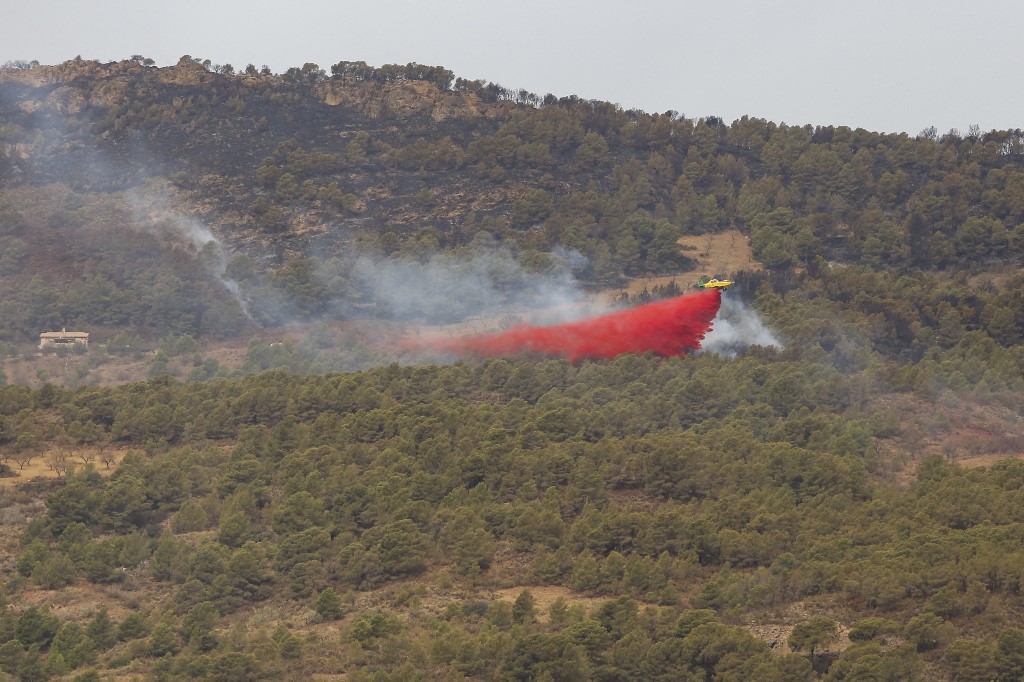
(406, 98)
(114, 83)
(70, 71)
(85, 83)
(184, 73)
(67, 101)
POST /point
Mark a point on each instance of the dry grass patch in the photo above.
(545, 595)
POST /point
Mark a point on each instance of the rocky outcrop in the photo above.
(184, 73)
(70, 71)
(112, 84)
(407, 98)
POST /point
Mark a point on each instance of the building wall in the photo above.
(62, 343)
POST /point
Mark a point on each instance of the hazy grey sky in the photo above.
(894, 65)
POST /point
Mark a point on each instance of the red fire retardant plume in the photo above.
(669, 327)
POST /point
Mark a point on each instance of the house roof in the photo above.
(62, 334)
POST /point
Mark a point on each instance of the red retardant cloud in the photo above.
(670, 327)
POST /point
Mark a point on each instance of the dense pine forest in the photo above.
(846, 505)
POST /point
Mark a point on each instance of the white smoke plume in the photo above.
(212, 253)
(447, 288)
(736, 328)
(154, 213)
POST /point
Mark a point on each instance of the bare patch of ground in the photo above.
(715, 255)
(33, 369)
(721, 253)
(44, 466)
(987, 460)
(964, 431)
(776, 631)
(545, 595)
(997, 278)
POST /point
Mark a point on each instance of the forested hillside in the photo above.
(677, 509)
(301, 174)
(845, 506)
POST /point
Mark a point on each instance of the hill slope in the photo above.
(294, 177)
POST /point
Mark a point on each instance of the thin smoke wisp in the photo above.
(154, 214)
